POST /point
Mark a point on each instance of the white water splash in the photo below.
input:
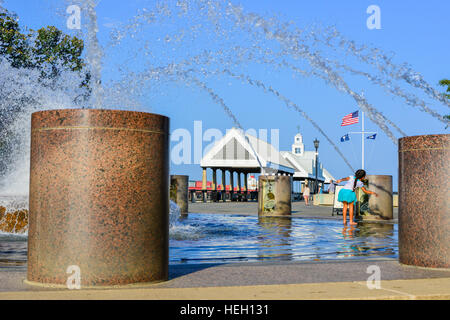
(179, 230)
(296, 43)
(234, 38)
(14, 203)
(24, 92)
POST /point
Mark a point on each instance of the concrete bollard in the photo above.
(383, 205)
(179, 186)
(274, 196)
(424, 202)
(99, 197)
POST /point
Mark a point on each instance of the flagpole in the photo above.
(362, 140)
(362, 133)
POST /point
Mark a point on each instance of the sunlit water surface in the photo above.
(216, 238)
(228, 238)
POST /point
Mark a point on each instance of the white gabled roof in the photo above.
(239, 151)
(235, 150)
(300, 171)
(304, 166)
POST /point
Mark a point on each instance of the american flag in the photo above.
(349, 119)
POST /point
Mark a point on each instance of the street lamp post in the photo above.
(316, 145)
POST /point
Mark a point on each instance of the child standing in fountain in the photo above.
(306, 192)
(347, 194)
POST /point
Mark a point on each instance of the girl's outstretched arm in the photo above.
(343, 179)
(369, 192)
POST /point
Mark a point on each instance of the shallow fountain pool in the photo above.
(216, 238)
(227, 238)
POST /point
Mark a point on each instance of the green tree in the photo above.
(52, 46)
(47, 50)
(446, 82)
(46, 47)
(14, 45)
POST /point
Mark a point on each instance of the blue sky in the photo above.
(416, 32)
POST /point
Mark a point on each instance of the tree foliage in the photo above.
(46, 49)
(46, 52)
(446, 82)
(14, 45)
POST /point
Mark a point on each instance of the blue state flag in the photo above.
(345, 138)
(372, 136)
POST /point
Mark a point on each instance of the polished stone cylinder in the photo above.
(179, 186)
(274, 196)
(424, 202)
(383, 205)
(99, 197)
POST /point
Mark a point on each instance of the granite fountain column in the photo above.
(424, 202)
(383, 205)
(274, 196)
(99, 197)
(179, 192)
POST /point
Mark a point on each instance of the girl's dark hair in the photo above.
(359, 174)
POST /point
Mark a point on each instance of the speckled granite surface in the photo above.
(424, 205)
(381, 206)
(275, 196)
(98, 196)
(179, 188)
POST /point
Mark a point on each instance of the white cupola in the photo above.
(298, 148)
